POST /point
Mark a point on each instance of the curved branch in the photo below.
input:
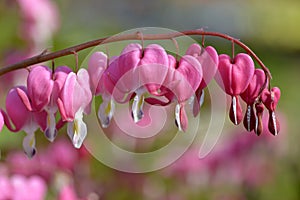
(68, 51)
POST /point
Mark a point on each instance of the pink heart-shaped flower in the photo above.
(208, 59)
(250, 95)
(235, 75)
(271, 98)
(254, 87)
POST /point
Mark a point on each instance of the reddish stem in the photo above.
(68, 51)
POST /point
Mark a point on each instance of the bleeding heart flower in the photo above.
(22, 118)
(43, 90)
(183, 79)
(74, 100)
(96, 66)
(250, 95)
(270, 100)
(234, 77)
(131, 73)
(209, 61)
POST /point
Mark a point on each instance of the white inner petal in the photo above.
(77, 129)
(177, 116)
(274, 122)
(29, 144)
(234, 109)
(137, 107)
(106, 111)
(248, 117)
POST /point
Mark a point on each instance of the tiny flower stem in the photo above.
(76, 61)
(141, 36)
(203, 40)
(232, 49)
(68, 51)
(176, 46)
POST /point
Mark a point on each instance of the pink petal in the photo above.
(155, 62)
(59, 78)
(208, 59)
(40, 84)
(254, 87)
(189, 73)
(16, 109)
(1, 121)
(96, 66)
(66, 100)
(38, 185)
(235, 75)
(271, 98)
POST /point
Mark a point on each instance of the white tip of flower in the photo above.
(77, 131)
(137, 107)
(29, 145)
(249, 118)
(274, 123)
(177, 117)
(106, 111)
(201, 100)
(234, 109)
(51, 131)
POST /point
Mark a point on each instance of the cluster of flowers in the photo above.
(139, 75)
(52, 173)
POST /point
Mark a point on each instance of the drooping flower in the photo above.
(96, 67)
(183, 79)
(17, 104)
(209, 61)
(126, 77)
(74, 100)
(44, 88)
(270, 100)
(250, 95)
(234, 77)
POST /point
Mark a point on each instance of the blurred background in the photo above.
(242, 166)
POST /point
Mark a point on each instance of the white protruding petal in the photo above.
(177, 116)
(29, 145)
(106, 111)
(234, 109)
(51, 131)
(201, 101)
(274, 123)
(248, 117)
(77, 130)
(137, 107)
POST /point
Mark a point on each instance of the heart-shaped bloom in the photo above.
(96, 67)
(22, 118)
(130, 75)
(234, 77)
(74, 100)
(270, 100)
(183, 79)
(209, 60)
(250, 95)
(43, 90)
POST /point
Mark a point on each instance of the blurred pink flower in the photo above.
(18, 187)
(40, 20)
